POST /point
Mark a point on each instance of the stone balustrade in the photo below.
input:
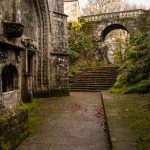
(114, 15)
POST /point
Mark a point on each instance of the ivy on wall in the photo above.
(81, 44)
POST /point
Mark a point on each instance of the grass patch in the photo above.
(133, 111)
(141, 87)
(41, 109)
(35, 109)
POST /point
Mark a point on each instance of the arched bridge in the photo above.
(102, 24)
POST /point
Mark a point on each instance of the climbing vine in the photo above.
(81, 45)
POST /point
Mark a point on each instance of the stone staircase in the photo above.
(94, 79)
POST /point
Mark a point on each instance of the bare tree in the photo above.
(102, 6)
(134, 6)
(107, 6)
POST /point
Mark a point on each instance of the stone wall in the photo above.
(35, 63)
(102, 24)
(41, 51)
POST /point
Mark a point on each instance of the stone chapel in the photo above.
(33, 50)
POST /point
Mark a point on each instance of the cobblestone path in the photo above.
(76, 123)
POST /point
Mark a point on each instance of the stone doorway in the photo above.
(9, 78)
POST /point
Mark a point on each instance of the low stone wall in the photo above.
(13, 128)
(52, 93)
(60, 92)
(10, 99)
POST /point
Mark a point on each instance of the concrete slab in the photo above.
(74, 126)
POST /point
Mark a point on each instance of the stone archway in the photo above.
(36, 19)
(9, 78)
(104, 28)
(103, 50)
(110, 28)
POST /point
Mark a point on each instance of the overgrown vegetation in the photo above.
(13, 126)
(34, 120)
(132, 111)
(81, 46)
(134, 73)
(40, 109)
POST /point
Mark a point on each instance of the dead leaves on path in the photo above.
(74, 106)
(101, 116)
(97, 111)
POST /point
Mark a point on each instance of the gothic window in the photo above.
(9, 78)
(28, 19)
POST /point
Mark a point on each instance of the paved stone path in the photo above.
(78, 125)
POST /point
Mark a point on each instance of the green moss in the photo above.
(34, 121)
(36, 110)
(133, 113)
(126, 22)
(135, 70)
(141, 87)
(5, 146)
(116, 90)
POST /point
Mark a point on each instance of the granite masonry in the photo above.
(36, 63)
(33, 61)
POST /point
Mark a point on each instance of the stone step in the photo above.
(102, 70)
(83, 90)
(91, 87)
(99, 73)
(95, 79)
(99, 68)
(93, 82)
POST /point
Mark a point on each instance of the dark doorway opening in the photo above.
(30, 57)
(9, 78)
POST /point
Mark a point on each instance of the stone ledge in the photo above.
(15, 46)
(60, 92)
(52, 93)
(59, 53)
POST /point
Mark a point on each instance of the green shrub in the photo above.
(134, 73)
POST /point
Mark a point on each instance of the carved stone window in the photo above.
(9, 78)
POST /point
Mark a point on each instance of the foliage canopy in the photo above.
(136, 69)
(81, 44)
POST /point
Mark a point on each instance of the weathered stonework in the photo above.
(34, 64)
(40, 55)
(102, 24)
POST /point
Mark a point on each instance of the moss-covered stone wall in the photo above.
(13, 128)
